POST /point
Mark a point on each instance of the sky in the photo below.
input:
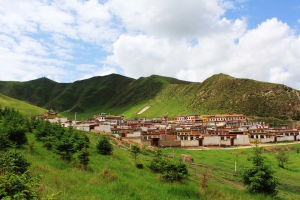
(69, 40)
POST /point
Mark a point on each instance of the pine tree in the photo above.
(104, 147)
(259, 178)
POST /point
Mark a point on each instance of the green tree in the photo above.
(259, 178)
(135, 150)
(104, 146)
(83, 157)
(13, 186)
(170, 169)
(13, 162)
(282, 158)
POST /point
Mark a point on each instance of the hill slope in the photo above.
(23, 107)
(118, 94)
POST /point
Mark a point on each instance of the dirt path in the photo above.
(243, 147)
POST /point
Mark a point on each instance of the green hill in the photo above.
(118, 94)
(23, 107)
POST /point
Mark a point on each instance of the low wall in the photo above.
(133, 139)
(266, 140)
(285, 138)
(169, 143)
(189, 143)
(146, 142)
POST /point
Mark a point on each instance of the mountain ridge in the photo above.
(118, 94)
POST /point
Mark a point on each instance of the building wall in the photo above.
(225, 142)
(136, 139)
(105, 128)
(82, 128)
(241, 140)
(211, 140)
(134, 134)
(189, 143)
(266, 140)
(163, 143)
(285, 138)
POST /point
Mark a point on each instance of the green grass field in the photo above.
(23, 107)
(123, 180)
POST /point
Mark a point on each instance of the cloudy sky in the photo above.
(67, 40)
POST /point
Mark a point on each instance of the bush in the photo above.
(12, 129)
(171, 170)
(135, 150)
(103, 146)
(282, 158)
(83, 157)
(13, 186)
(4, 141)
(259, 178)
(139, 165)
(13, 162)
(158, 164)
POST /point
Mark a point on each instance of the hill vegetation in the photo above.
(21, 106)
(116, 94)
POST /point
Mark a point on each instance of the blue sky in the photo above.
(257, 11)
(67, 40)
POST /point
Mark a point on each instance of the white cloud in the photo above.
(34, 35)
(190, 40)
(270, 52)
(171, 18)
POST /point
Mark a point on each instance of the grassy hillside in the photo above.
(116, 177)
(118, 94)
(23, 107)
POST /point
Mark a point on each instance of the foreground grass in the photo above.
(116, 177)
(221, 162)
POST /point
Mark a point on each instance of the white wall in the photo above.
(241, 140)
(189, 143)
(134, 134)
(211, 140)
(105, 128)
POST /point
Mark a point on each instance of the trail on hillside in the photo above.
(143, 110)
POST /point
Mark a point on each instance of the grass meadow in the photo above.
(116, 177)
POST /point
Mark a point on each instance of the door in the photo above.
(200, 141)
(231, 141)
(155, 141)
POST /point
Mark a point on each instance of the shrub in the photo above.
(135, 150)
(170, 169)
(174, 171)
(282, 158)
(158, 164)
(83, 157)
(64, 147)
(259, 178)
(13, 162)
(4, 141)
(103, 146)
(13, 186)
(139, 165)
